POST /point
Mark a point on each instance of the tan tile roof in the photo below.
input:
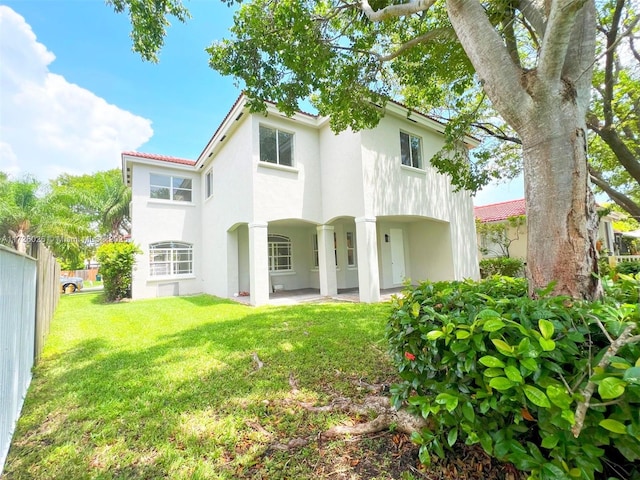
(500, 211)
(162, 158)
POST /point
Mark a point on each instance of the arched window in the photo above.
(279, 253)
(170, 259)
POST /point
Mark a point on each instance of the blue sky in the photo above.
(73, 95)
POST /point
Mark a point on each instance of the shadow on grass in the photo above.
(180, 405)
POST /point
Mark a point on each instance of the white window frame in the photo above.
(350, 239)
(177, 255)
(172, 189)
(208, 183)
(277, 149)
(276, 244)
(314, 250)
(419, 164)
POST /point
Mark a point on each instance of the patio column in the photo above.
(258, 263)
(327, 261)
(368, 272)
(233, 285)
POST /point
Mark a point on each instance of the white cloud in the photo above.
(49, 126)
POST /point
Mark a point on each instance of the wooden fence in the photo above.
(88, 274)
(47, 293)
(29, 293)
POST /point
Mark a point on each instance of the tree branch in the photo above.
(609, 78)
(619, 198)
(624, 339)
(490, 57)
(436, 33)
(555, 43)
(499, 134)
(395, 11)
(534, 17)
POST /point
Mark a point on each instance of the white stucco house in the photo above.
(284, 203)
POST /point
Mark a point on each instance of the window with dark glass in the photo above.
(351, 249)
(168, 187)
(276, 146)
(208, 183)
(411, 150)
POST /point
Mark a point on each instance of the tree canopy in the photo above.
(70, 215)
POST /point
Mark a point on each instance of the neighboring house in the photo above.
(501, 212)
(277, 203)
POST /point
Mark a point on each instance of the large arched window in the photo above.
(279, 253)
(170, 259)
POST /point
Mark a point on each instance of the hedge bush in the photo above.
(628, 268)
(508, 267)
(116, 267)
(483, 363)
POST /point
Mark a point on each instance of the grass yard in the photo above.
(169, 388)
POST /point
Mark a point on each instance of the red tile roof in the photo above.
(500, 211)
(162, 158)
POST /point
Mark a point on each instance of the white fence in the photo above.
(17, 333)
(615, 259)
(29, 294)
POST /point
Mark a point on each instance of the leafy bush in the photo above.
(483, 363)
(628, 268)
(604, 269)
(116, 267)
(509, 267)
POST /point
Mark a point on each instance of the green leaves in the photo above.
(490, 361)
(536, 396)
(546, 328)
(505, 369)
(611, 387)
(613, 426)
(449, 401)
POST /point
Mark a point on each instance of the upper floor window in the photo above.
(279, 253)
(411, 150)
(276, 146)
(170, 259)
(168, 187)
(208, 183)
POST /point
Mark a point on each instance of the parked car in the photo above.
(71, 284)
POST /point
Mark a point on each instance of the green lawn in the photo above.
(168, 388)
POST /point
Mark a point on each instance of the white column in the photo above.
(327, 261)
(258, 263)
(233, 284)
(368, 272)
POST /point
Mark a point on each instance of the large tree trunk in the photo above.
(547, 106)
(561, 214)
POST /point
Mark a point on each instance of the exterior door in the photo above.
(397, 256)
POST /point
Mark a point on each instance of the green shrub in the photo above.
(483, 363)
(116, 267)
(628, 268)
(604, 269)
(509, 267)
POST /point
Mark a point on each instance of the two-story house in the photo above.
(284, 203)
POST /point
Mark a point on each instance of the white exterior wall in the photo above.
(163, 220)
(281, 192)
(227, 209)
(341, 174)
(394, 189)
